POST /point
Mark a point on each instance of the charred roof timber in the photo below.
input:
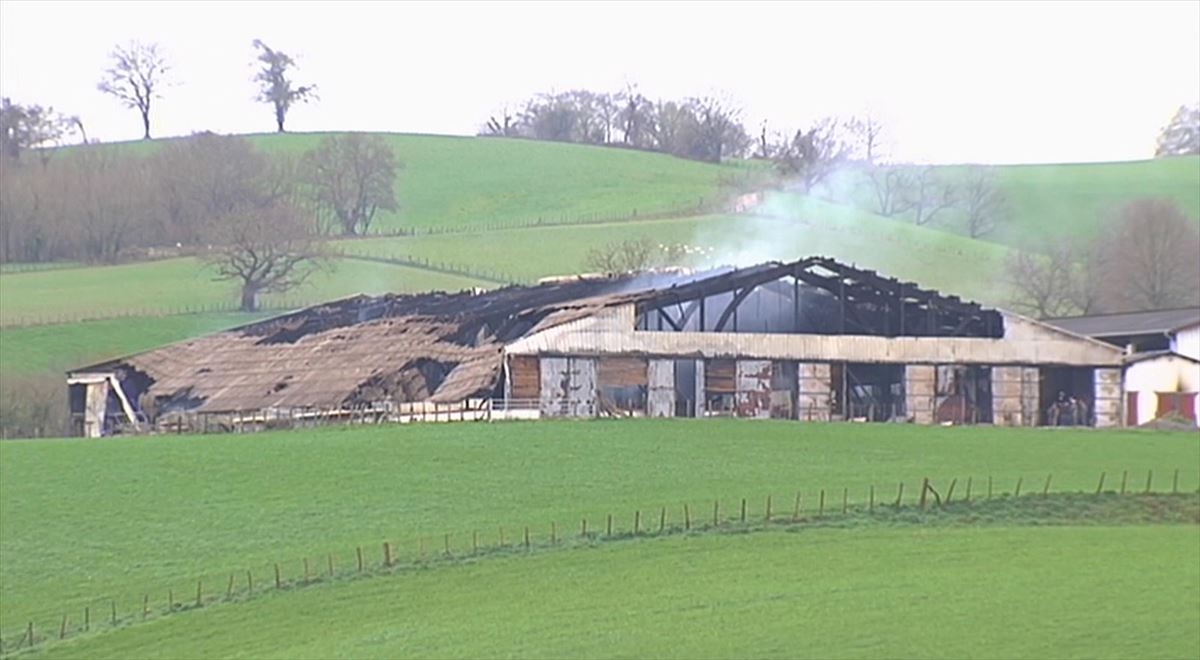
(450, 346)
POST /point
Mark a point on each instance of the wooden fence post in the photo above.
(249, 582)
(87, 619)
(62, 630)
(924, 490)
(387, 554)
(29, 633)
(306, 569)
(526, 538)
(1175, 482)
(637, 522)
(330, 558)
(1149, 479)
(950, 490)
(170, 600)
(968, 498)
(113, 603)
(1124, 478)
(1017, 492)
(475, 542)
(145, 606)
(716, 513)
(662, 520)
(608, 529)
(743, 509)
(553, 533)
(687, 518)
(1046, 488)
(767, 514)
(360, 561)
(229, 589)
(199, 593)
(871, 500)
(278, 580)
(446, 544)
(796, 508)
(900, 495)
(845, 500)
(583, 528)
(821, 506)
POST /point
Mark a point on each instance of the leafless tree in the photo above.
(351, 177)
(633, 254)
(866, 136)
(982, 201)
(27, 127)
(1182, 135)
(136, 78)
(106, 200)
(892, 188)
(813, 155)
(502, 125)
(929, 195)
(1151, 257)
(1043, 284)
(274, 85)
(634, 117)
(268, 249)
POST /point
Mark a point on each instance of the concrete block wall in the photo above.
(813, 391)
(919, 392)
(660, 400)
(1107, 397)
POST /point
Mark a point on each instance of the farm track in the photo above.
(1032, 509)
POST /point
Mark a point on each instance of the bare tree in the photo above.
(1043, 284)
(982, 200)
(1182, 135)
(892, 187)
(929, 195)
(866, 136)
(813, 155)
(136, 77)
(274, 85)
(1150, 255)
(503, 125)
(26, 127)
(351, 177)
(634, 117)
(265, 250)
(633, 254)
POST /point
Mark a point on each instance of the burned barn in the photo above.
(813, 339)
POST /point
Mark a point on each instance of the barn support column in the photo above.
(813, 391)
(1107, 396)
(568, 387)
(919, 392)
(660, 401)
(701, 401)
(1006, 396)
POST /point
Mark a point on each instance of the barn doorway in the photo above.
(869, 392)
(1067, 395)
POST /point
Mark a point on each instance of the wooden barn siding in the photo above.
(621, 371)
(526, 377)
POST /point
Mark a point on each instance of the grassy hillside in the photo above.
(60, 346)
(787, 226)
(1070, 200)
(85, 521)
(455, 181)
(945, 593)
(174, 285)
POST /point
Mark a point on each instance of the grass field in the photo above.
(456, 181)
(60, 346)
(1074, 199)
(1062, 592)
(85, 521)
(172, 285)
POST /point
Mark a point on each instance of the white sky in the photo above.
(1008, 82)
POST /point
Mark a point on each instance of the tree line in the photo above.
(254, 216)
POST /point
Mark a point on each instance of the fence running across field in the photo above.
(829, 506)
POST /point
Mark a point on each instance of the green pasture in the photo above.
(786, 227)
(1068, 201)
(456, 181)
(186, 284)
(58, 347)
(1062, 592)
(85, 521)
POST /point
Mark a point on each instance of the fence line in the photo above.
(154, 312)
(390, 557)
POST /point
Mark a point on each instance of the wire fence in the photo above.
(28, 320)
(823, 507)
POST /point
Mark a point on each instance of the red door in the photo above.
(1187, 405)
(1131, 418)
(1167, 403)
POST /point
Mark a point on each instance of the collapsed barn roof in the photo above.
(449, 346)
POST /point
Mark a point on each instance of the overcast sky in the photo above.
(954, 82)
